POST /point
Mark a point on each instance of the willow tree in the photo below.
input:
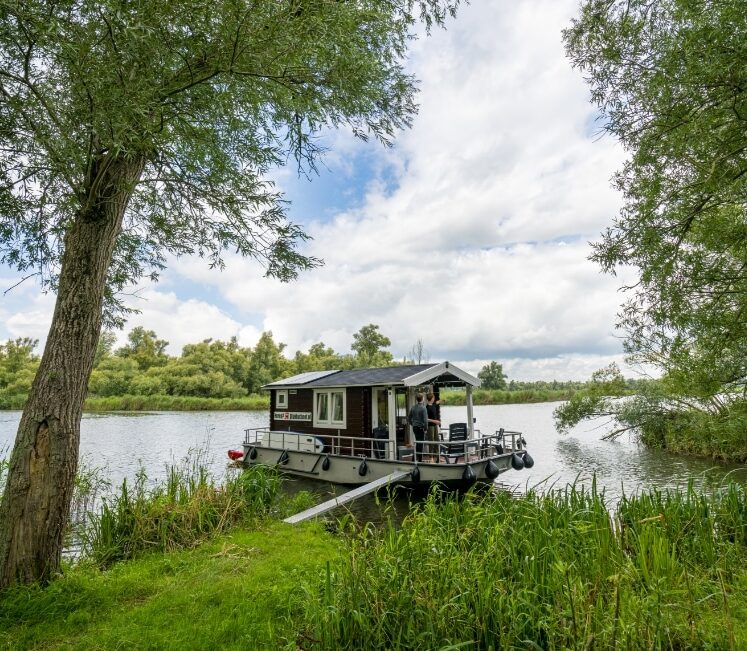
(670, 81)
(134, 130)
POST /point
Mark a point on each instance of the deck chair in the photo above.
(457, 434)
(381, 434)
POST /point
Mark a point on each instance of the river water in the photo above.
(120, 444)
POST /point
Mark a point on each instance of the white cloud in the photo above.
(480, 247)
(182, 322)
(32, 318)
(480, 251)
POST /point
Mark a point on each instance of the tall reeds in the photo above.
(176, 403)
(555, 571)
(180, 512)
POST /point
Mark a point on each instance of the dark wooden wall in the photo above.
(358, 413)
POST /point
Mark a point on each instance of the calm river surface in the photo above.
(120, 444)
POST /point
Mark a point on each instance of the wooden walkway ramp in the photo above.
(392, 478)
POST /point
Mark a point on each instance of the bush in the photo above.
(554, 571)
(181, 513)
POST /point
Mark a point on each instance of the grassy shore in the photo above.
(176, 403)
(545, 572)
(240, 591)
(258, 401)
(562, 571)
(506, 397)
(262, 401)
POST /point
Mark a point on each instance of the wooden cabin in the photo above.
(356, 404)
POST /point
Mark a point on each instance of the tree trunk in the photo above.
(36, 502)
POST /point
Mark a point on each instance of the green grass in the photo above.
(721, 436)
(506, 397)
(558, 571)
(240, 591)
(177, 403)
(182, 512)
(544, 572)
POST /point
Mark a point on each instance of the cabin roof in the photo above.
(411, 375)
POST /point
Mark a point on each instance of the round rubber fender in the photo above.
(415, 474)
(491, 470)
(252, 453)
(326, 463)
(528, 461)
(517, 463)
(468, 474)
(363, 468)
(284, 458)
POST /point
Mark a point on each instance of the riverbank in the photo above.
(555, 571)
(240, 591)
(720, 436)
(254, 402)
(257, 402)
(507, 396)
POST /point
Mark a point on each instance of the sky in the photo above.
(472, 234)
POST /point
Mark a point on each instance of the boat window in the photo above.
(329, 408)
(281, 399)
(322, 406)
(337, 411)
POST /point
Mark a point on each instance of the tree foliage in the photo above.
(670, 83)
(131, 132)
(211, 369)
(492, 376)
(207, 98)
(144, 348)
(18, 364)
(368, 346)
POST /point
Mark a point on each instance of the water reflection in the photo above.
(620, 465)
(377, 508)
(123, 443)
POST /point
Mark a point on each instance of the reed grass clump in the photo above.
(507, 396)
(251, 402)
(185, 510)
(554, 571)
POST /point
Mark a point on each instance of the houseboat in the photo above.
(350, 427)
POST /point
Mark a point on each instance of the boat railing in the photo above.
(336, 444)
(442, 451)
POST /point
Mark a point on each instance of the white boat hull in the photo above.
(353, 471)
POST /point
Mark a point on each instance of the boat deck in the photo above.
(442, 451)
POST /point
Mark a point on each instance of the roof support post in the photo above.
(409, 436)
(470, 417)
(392, 409)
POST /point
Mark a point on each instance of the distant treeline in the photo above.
(207, 375)
(222, 375)
(526, 392)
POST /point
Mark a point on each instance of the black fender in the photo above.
(491, 470)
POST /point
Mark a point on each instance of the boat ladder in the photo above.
(370, 487)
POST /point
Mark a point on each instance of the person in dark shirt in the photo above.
(434, 419)
(418, 419)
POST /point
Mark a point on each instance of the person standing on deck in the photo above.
(418, 419)
(434, 420)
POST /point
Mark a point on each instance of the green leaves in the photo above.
(211, 96)
(670, 81)
(492, 376)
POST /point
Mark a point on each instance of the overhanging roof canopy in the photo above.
(408, 376)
